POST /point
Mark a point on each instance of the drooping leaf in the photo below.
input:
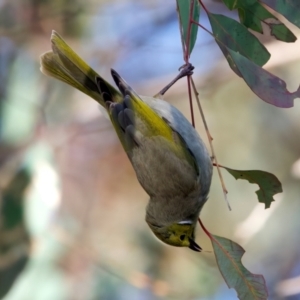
(269, 185)
(289, 9)
(228, 255)
(184, 7)
(252, 14)
(265, 85)
(281, 33)
(230, 33)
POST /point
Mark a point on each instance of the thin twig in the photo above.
(189, 78)
(187, 56)
(210, 139)
(185, 49)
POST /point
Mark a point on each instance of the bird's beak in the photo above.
(194, 246)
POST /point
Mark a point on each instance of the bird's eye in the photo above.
(182, 237)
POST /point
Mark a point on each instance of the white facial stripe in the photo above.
(185, 222)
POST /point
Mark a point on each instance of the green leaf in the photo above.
(228, 255)
(265, 85)
(289, 9)
(268, 183)
(184, 13)
(252, 14)
(232, 34)
(281, 33)
(233, 4)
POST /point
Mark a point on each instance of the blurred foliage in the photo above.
(84, 209)
(14, 238)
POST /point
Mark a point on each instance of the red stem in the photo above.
(186, 58)
(203, 6)
(204, 229)
(205, 29)
(190, 100)
(189, 32)
(218, 165)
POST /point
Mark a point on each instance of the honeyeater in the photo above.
(170, 160)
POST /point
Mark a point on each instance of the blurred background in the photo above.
(71, 210)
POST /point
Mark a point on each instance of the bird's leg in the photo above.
(185, 70)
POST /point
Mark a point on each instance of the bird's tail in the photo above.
(65, 65)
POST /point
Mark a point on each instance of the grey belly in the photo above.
(161, 172)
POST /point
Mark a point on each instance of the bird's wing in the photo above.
(186, 131)
(135, 120)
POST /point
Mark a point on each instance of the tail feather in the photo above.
(65, 65)
(53, 67)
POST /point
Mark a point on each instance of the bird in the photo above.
(170, 160)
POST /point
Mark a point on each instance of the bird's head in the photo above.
(181, 234)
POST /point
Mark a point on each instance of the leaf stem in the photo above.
(189, 79)
(210, 139)
(203, 6)
(204, 229)
(185, 48)
(205, 29)
(189, 32)
(180, 30)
